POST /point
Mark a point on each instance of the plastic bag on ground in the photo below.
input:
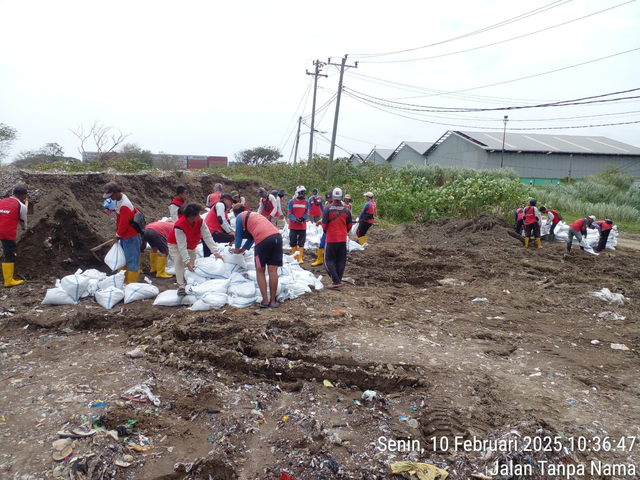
(115, 258)
(57, 296)
(74, 285)
(607, 295)
(109, 297)
(170, 298)
(116, 281)
(210, 267)
(139, 291)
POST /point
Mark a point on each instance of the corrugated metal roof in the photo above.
(419, 147)
(383, 152)
(525, 142)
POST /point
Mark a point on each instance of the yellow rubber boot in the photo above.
(161, 263)
(153, 261)
(132, 277)
(7, 272)
(294, 250)
(363, 240)
(300, 251)
(539, 242)
(320, 259)
(526, 242)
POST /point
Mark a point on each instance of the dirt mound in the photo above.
(69, 220)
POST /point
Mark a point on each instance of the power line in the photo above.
(305, 94)
(502, 41)
(475, 32)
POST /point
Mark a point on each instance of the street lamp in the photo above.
(504, 133)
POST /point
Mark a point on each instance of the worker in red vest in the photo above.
(532, 222)
(13, 212)
(554, 218)
(347, 201)
(315, 206)
(268, 251)
(604, 228)
(268, 206)
(365, 220)
(177, 203)
(218, 222)
(155, 234)
(215, 196)
(298, 212)
(519, 219)
(183, 240)
(578, 229)
(238, 199)
(336, 222)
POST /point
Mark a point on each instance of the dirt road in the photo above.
(459, 331)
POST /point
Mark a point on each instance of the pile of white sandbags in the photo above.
(106, 290)
(593, 236)
(314, 236)
(215, 283)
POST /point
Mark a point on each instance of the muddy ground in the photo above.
(251, 393)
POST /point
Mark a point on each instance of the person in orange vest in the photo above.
(519, 218)
(129, 238)
(268, 251)
(155, 234)
(177, 203)
(267, 207)
(532, 222)
(365, 220)
(218, 222)
(578, 229)
(215, 196)
(604, 228)
(553, 217)
(328, 198)
(13, 212)
(298, 212)
(315, 206)
(336, 222)
(183, 240)
(238, 199)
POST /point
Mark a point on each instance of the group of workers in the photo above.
(530, 218)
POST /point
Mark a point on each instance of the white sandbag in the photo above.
(116, 281)
(109, 297)
(170, 298)
(92, 273)
(354, 229)
(74, 285)
(194, 278)
(241, 302)
(304, 276)
(250, 259)
(92, 288)
(199, 306)
(200, 250)
(354, 246)
(214, 299)
(170, 269)
(210, 267)
(237, 259)
(236, 278)
(57, 296)
(231, 268)
(246, 289)
(139, 291)
(252, 275)
(210, 286)
(319, 285)
(115, 258)
(298, 288)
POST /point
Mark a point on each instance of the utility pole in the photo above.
(318, 64)
(504, 133)
(295, 157)
(335, 120)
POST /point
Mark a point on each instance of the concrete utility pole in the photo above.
(335, 120)
(295, 157)
(317, 74)
(504, 134)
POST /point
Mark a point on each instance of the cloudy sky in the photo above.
(211, 78)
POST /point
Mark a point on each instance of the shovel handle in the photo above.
(108, 242)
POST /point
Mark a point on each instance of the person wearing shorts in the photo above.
(268, 250)
(155, 234)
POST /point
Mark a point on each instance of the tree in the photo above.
(105, 139)
(50, 153)
(165, 161)
(8, 135)
(132, 151)
(258, 156)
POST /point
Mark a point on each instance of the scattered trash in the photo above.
(451, 282)
(619, 346)
(141, 389)
(537, 374)
(99, 403)
(284, 476)
(606, 295)
(136, 353)
(595, 342)
(506, 291)
(62, 449)
(369, 395)
(478, 299)
(122, 463)
(419, 471)
(610, 316)
(413, 423)
(327, 383)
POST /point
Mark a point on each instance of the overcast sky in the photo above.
(212, 78)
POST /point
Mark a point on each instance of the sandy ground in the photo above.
(252, 393)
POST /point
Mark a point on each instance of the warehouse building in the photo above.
(538, 159)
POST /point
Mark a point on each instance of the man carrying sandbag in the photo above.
(13, 211)
(126, 233)
(256, 228)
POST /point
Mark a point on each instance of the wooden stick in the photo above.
(108, 242)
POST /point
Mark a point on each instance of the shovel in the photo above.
(95, 249)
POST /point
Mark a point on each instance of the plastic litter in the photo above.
(606, 295)
(136, 353)
(369, 395)
(419, 471)
(327, 383)
(610, 316)
(145, 390)
(619, 346)
(480, 299)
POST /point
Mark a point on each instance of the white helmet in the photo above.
(300, 189)
(337, 193)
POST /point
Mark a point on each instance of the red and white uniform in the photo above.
(213, 199)
(580, 225)
(218, 212)
(604, 226)
(315, 206)
(531, 215)
(336, 222)
(368, 212)
(163, 228)
(174, 208)
(554, 219)
(187, 237)
(297, 209)
(268, 206)
(258, 226)
(12, 213)
(124, 214)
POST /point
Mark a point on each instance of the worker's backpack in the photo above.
(138, 222)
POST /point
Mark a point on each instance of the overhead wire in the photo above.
(304, 95)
